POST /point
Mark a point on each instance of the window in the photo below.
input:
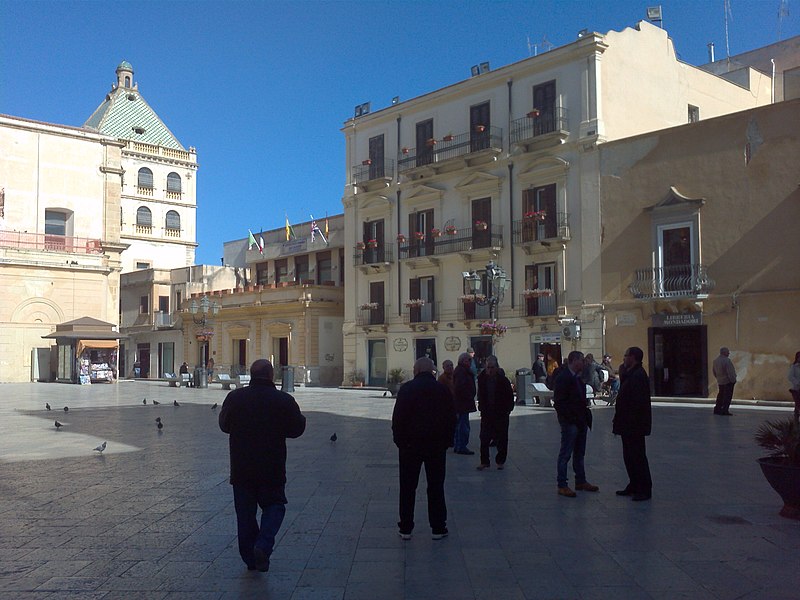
(324, 267)
(377, 316)
(479, 127)
(694, 114)
(544, 100)
(127, 81)
(301, 268)
(144, 217)
(145, 178)
(174, 183)
(178, 298)
(281, 271)
(539, 200)
(420, 224)
(375, 250)
(144, 305)
(376, 167)
(142, 265)
(482, 223)
(421, 288)
(262, 274)
(791, 83)
(163, 304)
(173, 220)
(55, 222)
(540, 278)
(424, 132)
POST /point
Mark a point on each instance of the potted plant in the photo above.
(431, 142)
(401, 238)
(395, 380)
(451, 230)
(436, 232)
(404, 150)
(415, 302)
(782, 466)
(368, 306)
(534, 113)
(419, 235)
(372, 243)
(448, 138)
(480, 128)
(367, 162)
(360, 245)
(481, 226)
(356, 378)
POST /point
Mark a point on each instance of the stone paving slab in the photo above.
(153, 517)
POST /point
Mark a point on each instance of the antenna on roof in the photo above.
(728, 13)
(783, 12)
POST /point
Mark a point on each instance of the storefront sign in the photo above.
(682, 320)
(626, 319)
(452, 343)
(546, 338)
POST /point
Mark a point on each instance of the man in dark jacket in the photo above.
(464, 396)
(539, 369)
(574, 417)
(259, 418)
(632, 420)
(495, 401)
(423, 423)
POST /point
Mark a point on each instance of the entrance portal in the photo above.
(678, 359)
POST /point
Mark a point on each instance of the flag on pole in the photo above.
(315, 230)
(326, 224)
(289, 231)
(251, 240)
(261, 243)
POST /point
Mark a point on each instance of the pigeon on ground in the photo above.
(66, 409)
(214, 406)
(158, 419)
(144, 400)
(58, 425)
(156, 402)
(334, 437)
(384, 393)
(101, 447)
(47, 405)
(160, 425)
(175, 403)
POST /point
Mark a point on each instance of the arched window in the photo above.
(173, 220)
(144, 217)
(145, 179)
(127, 81)
(174, 183)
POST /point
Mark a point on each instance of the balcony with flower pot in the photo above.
(538, 231)
(480, 145)
(538, 303)
(377, 257)
(421, 314)
(423, 249)
(540, 128)
(371, 314)
(372, 175)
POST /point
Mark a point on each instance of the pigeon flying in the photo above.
(213, 406)
(58, 425)
(175, 403)
(333, 437)
(66, 409)
(101, 447)
(156, 402)
(47, 405)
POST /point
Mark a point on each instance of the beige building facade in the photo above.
(60, 247)
(503, 167)
(700, 250)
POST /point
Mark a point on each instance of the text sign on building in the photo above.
(545, 338)
(683, 320)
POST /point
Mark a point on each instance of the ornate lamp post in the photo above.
(200, 315)
(497, 283)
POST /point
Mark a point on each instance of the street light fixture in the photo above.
(497, 282)
(203, 308)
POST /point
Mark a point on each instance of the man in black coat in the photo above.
(632, 420)
(259, 418)
(575, 418)
(423, 423)
(539, 369)
(495, 401)
(464, 384)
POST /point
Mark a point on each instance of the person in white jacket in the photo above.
(794, 379)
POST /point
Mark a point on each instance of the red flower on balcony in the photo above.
(419, 235)
(451, 230)
(401, 237)
(436, 233)
(360, 245)
(534, 113)
(367, 162)
(536, 215)
(372, 243)
(480, 128)
(481, 225)
(404, 150)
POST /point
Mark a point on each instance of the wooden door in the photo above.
(376, 156)
(424, 151)
(544, 100)
(479, 126)
(482, 223)
(378, 315)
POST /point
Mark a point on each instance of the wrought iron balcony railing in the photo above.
(384, 253)
(465, 238)
(426, 313)
(371, 316)
(49, 242)
(471, 311)
(538, 303)
(553, 227)
(672, 282)
(372, 170)
(548, 121)
(162, 319)
(451, 146)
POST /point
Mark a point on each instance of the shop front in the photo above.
(86, 351)
(678, 351)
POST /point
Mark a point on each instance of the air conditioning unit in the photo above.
(571, 331)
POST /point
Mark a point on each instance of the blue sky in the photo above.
(261, 89)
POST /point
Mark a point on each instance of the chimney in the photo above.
(710, 52)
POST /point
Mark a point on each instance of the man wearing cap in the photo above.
(539, 369)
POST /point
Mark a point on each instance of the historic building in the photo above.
(503, 167)
(700, 250)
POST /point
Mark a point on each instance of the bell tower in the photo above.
(125, 76)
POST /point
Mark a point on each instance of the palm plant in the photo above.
(781, 439)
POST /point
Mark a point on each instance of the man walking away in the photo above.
(632, 420)
(258, 419)
(464, 396)
(495, 401)
(539, 369)
(423, 423)
(725, 373)
(574, 417)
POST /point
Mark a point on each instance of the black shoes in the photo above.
(625, 492)
(465, 451)
(437, 535)
(261, 560)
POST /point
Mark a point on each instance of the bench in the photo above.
(172, 379)
(544, 394)
(225, 380)
(243, 380)
(186, 380)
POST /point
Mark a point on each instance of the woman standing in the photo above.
(794, 379)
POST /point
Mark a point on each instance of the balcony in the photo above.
(464, 149)
(48, 242)
(374, 260)
(371, 314)
(538, 235)
(173, 233)
(163, 320)
(677, 281)
(548, 128)
(472, 243)
(538, 303)
(472, 311)
(144, 229)
(371, 175)
(422, 317)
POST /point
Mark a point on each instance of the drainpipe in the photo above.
(399, 278)
(509, 85)
(772, 60)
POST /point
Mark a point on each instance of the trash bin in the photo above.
(287, 379)
(524, 380)
(200, 378)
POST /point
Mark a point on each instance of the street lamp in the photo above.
(496, 284)
(200, 312)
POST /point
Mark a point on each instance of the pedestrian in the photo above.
(473, 362)
(725, 373)
(613, 375)
(184, 370)
(423, 422)
(464, 397)
(632, 421)
(446, 378)
(210, 369)
(258, 419)
(575, 419)
(495, 401)
(591, 373)
(539, 369)
(794, 379)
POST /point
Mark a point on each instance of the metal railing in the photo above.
(371, 316)
(49, 242)
(670, 282)
(538, 305)
(548, 121)
(471, 311)
(384, 253)
(162, 319)
(465, 238)
(427, 313)
(373, 170)
(553, 227)
(451, 146)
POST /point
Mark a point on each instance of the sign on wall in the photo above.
(682, 320)
(400, 344)
(452, 343)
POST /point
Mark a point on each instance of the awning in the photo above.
(83, 344)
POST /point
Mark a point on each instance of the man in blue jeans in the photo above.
(259, 418)
(575, 418)
(464, 396)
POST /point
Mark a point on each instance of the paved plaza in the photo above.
(152, 517)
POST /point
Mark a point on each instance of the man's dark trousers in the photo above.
(411, 461)
(724, 397)
(634, 453)
(494, 427)
(246, 500)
